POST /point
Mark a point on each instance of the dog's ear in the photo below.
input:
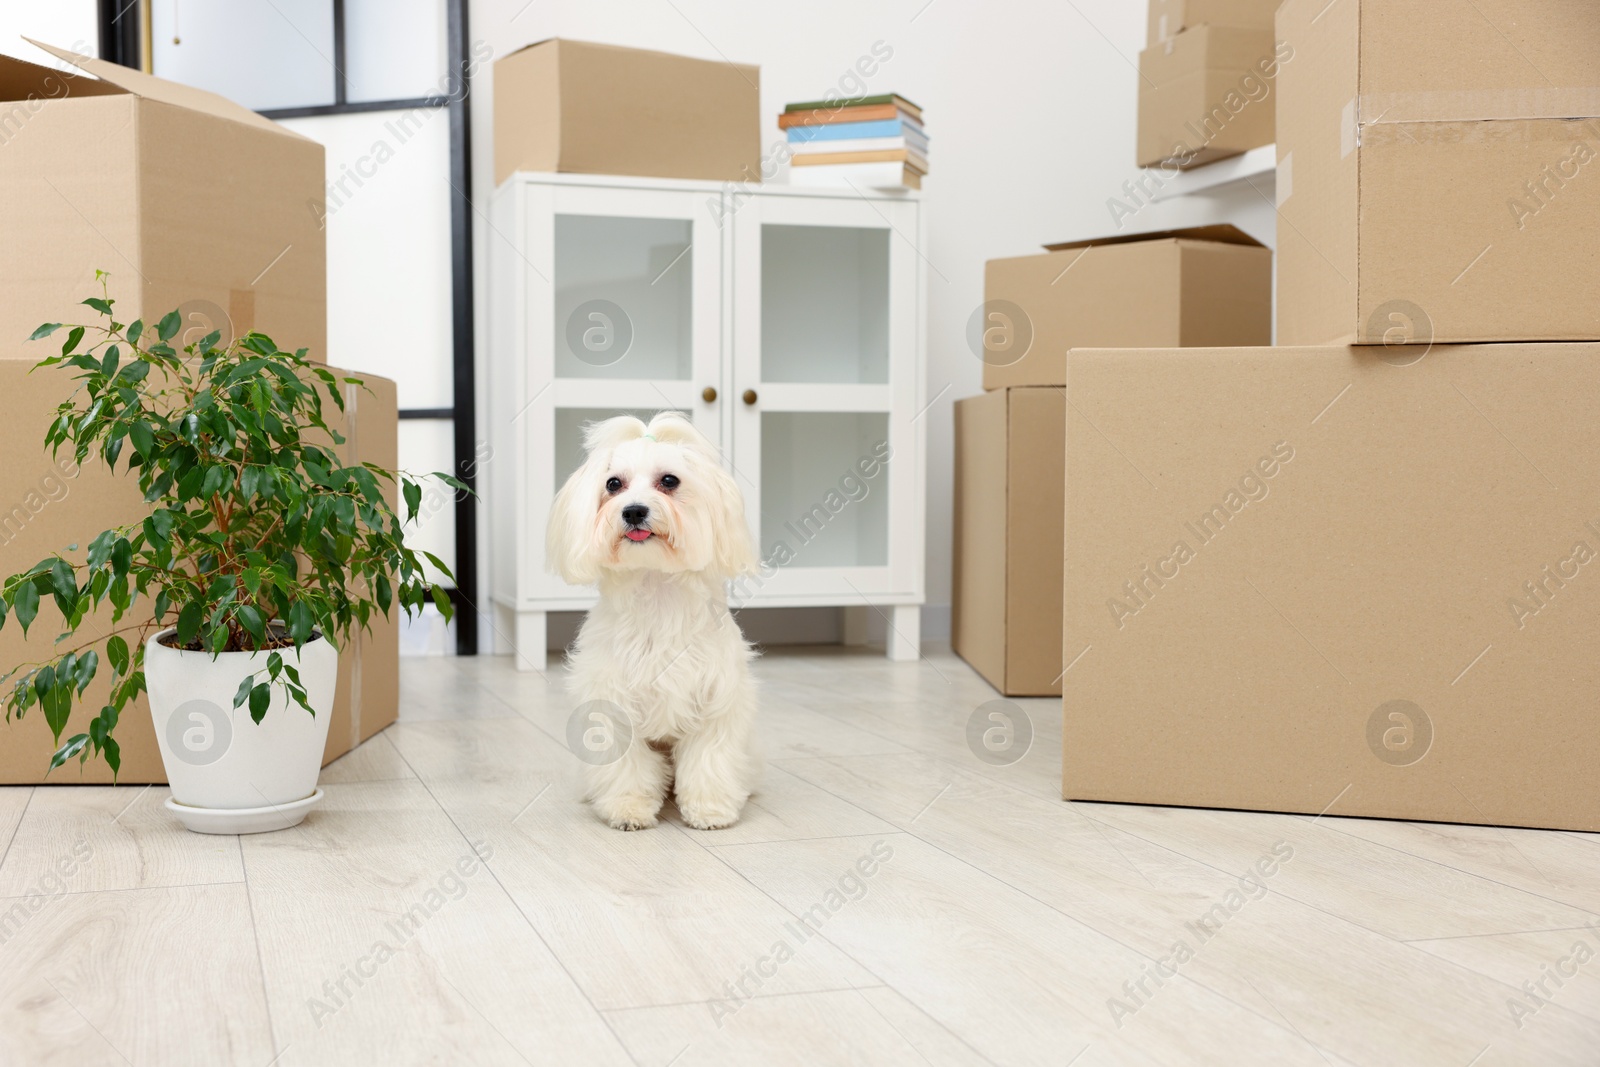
(571, 540)
(733, 552)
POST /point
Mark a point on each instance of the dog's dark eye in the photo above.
(669, 481)
(613, 485)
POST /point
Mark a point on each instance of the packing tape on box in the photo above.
(1479, 105)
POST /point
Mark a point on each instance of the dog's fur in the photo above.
(661, 644)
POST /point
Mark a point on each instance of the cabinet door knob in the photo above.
(749, 396)
(709, 394)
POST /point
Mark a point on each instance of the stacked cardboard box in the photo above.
(1352, 578)
(1204, 286)
(115, 170)
(1206, 81)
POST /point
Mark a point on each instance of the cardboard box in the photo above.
(1206, 94)
(47, 505)
(1006, 615)
(184, 197)
(1207, 285)
(1436, 171)
(1336, 580)
(1168, 18)
(572, 106)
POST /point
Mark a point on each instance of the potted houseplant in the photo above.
(261, 554)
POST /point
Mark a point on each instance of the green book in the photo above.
(864, 101)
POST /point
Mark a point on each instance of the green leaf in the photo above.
(73, 746)
(243, 692)
(113, 755)
(413, 495)
(72, 340)
(102, 306)
(65, 583)
(169, 325)
(144, 438)
(260, 696)
(135, 331)
(57, 706)
(300, 622)
(108, 366)
(121, 556)
(87, 665)
(117, 653)
(45, 331)
(251, 619)
(26, 602)
(189, 620)
(439, 563)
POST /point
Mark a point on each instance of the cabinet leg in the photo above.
(530, 641)
(905, 632)
(855, 618)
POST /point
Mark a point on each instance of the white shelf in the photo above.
(1258, 167)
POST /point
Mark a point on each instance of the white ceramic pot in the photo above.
(229, 774)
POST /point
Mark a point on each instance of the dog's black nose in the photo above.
(635, 514)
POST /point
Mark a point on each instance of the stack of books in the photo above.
(874, 142)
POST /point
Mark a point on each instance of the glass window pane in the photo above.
(426, 446)
(389, 285)
(824, 304)
(264, 54)
(394, 49)
(570, 424)
(825, 488)
(622, 297)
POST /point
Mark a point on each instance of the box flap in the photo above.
(149, 87)
(1220, 233)
(20, 79)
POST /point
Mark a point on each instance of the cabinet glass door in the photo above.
(625, 319)
(825, 314)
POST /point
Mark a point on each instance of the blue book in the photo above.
(849, 131)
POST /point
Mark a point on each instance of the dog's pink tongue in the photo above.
(638, 535)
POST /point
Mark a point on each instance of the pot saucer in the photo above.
(244, 820)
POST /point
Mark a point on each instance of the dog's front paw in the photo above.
(629, 813)
(709, 815)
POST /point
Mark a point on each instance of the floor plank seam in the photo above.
(261, 963)
(129, 889)
(1114, 938)
(822, 934)
(15, 830)
(512, 900)
(753, 996)
(1471, 874)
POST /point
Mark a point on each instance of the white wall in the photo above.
(1030, 105)
(63, 23)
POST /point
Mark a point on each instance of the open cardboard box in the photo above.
(189, 201)
(1437, 171)
(1360, 581)
(1204, 285)
(186, 198)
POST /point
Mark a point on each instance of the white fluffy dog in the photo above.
(653, 518)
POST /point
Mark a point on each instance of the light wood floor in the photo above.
(998, 924)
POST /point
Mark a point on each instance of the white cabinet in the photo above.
(787, 323)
